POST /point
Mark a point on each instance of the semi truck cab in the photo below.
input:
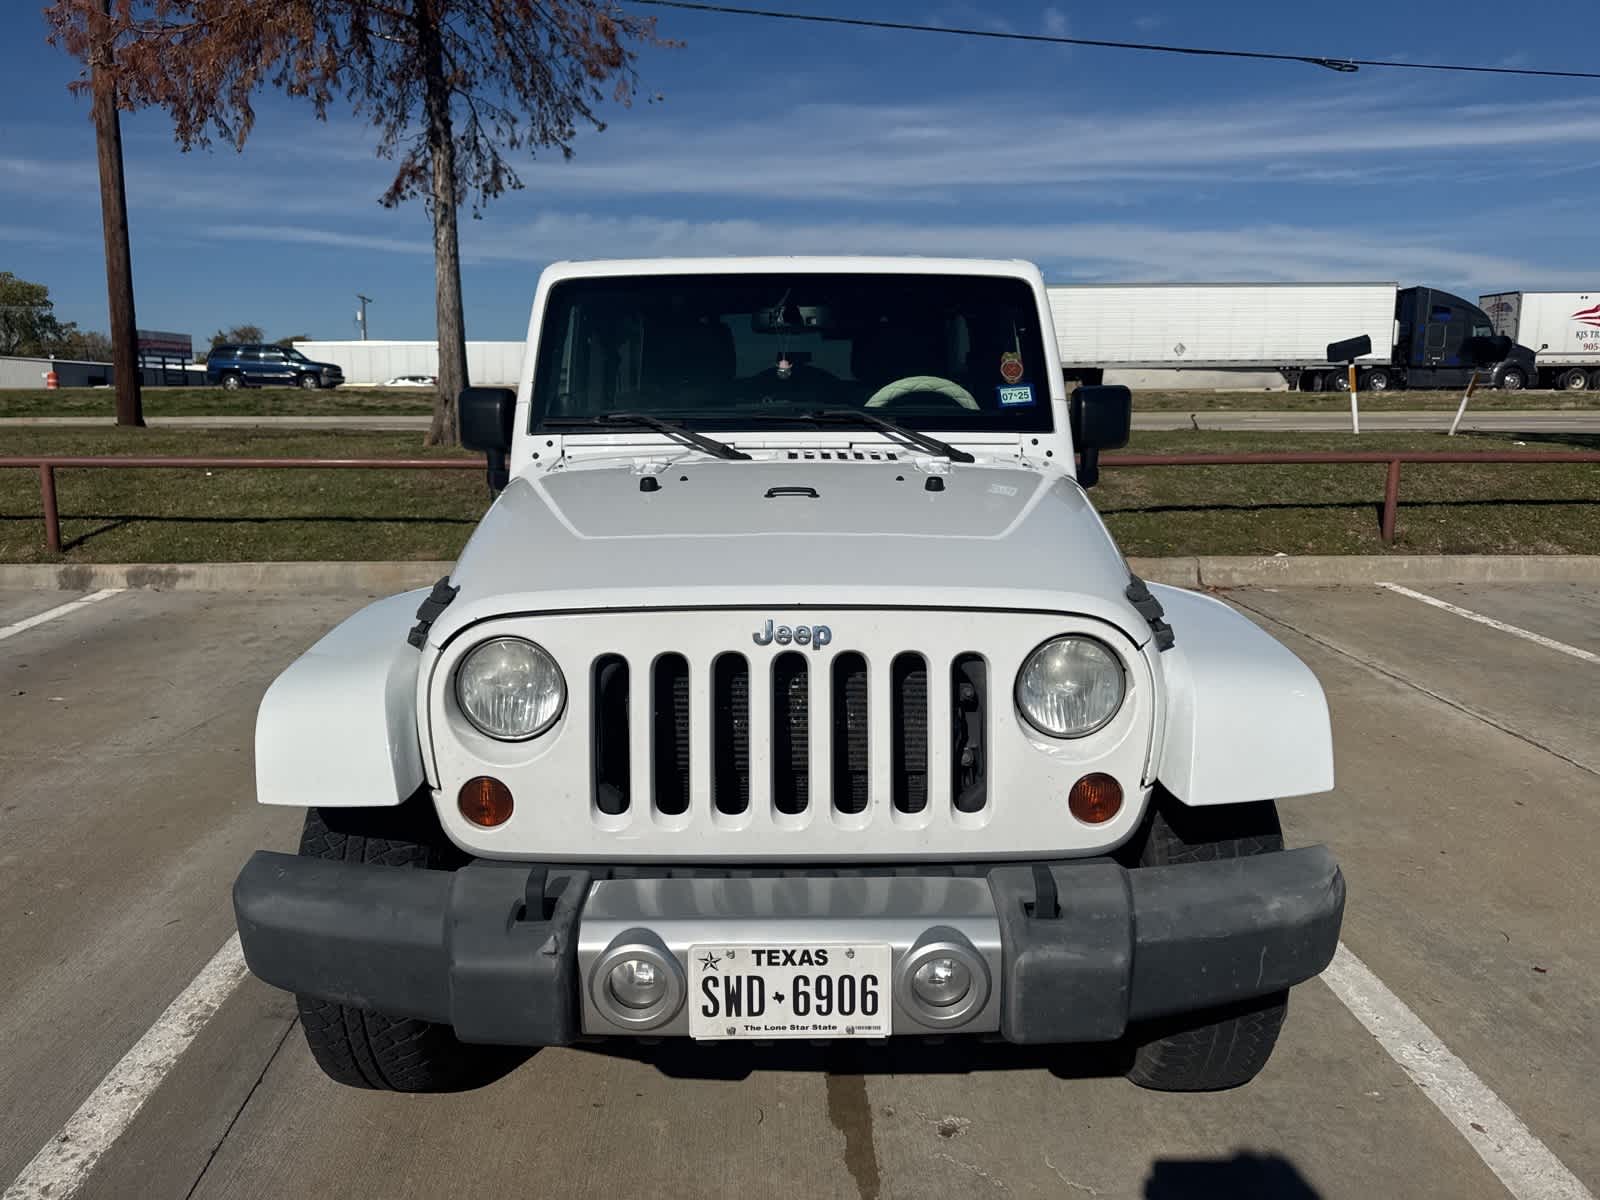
(1441, 339)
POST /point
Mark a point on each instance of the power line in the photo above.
(1316, 60)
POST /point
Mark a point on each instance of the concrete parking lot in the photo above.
(1466, 818)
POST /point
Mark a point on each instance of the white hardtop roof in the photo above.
(812, 264)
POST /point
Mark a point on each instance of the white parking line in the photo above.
(1503, 627)
(59, 610)
(1521, 1161)
(62, 1165)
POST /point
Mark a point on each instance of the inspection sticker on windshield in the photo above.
(790, 990)
(1015, 397)
(1011, 366)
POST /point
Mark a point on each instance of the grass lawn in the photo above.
(216, 402)
(244, 515)
(344, 401)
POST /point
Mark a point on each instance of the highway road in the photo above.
(1488, 421)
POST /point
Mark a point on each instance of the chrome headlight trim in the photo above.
(538, 658)
(1036, 722)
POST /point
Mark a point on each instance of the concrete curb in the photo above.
(1220, 572)
(1355, 570)
(382, 577)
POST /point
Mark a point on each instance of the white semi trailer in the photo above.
(1421, 337)
(1562, 328)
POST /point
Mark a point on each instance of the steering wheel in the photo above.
(911, 384)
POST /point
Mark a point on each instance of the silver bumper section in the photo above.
(1072, 951)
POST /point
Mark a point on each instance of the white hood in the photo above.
(721, 534)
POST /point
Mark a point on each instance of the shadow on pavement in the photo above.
(1244, 1176)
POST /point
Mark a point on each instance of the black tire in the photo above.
(1512, 380)
(1313, 381)
(1375, 380)
(1338, 381)
(1575, 380)
(1218, 1048)
(371, 1050)
(231, 382)
(310, 382)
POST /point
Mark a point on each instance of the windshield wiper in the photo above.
(645, 421)
(856, 416)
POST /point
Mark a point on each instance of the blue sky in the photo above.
(780, 138)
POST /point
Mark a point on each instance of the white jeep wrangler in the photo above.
(791, 688)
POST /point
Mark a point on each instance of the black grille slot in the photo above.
(730, 733)
(969, 751)
(908, 692)
(791, 729)
(849, 743)
(669, 700)
(610, 725)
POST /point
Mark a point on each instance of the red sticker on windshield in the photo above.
(1011, 366)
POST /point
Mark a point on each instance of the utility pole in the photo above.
(114, 217)
(362, 315)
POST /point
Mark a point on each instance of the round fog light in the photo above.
(941, 982)
(637, 983)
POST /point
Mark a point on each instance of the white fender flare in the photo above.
(1246, 720)
(338, 729)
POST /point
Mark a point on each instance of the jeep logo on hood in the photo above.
(815, 636)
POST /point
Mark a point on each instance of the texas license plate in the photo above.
(790, 990)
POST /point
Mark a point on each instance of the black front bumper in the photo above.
(1086, 947)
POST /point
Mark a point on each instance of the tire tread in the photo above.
(1222, 1047)
(364, 1049)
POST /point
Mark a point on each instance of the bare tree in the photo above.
(450, 86)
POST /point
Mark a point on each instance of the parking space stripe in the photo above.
(1537, 638)
(59, 610)
(1509, 1148)
(62, 1165)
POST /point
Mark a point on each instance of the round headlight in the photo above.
(510, 689)
(1069, 687)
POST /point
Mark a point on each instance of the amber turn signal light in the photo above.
(485, 802)
(1094, 799)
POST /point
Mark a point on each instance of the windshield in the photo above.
(291, 353)
(936, 352)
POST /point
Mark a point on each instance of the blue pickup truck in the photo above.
(254, 365)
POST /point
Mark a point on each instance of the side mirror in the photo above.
(1102, 418)
(488, 418)
(1350, 349)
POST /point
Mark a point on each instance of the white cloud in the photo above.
(931, 152)
(1079, 250)
(305, 235)
(1055, 22)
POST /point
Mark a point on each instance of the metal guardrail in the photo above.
(47, 466)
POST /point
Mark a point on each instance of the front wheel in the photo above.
(310, 382)
(1512, 379)
(1224, 1047)
(364, 1049)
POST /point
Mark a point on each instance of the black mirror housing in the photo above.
(1102, 419)
(1102, 416)
(487, 417)
(488, 420)
(1350, 349)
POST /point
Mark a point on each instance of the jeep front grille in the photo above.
(816, 725)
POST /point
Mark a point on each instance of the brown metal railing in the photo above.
(1392, 458)
(48, 465)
